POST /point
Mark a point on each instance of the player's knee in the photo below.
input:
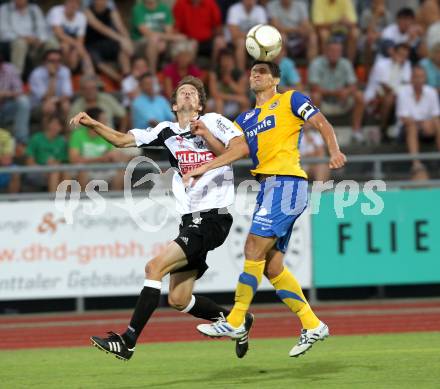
(273, 270)
(152, 268)
(177, 302)
(252, 251)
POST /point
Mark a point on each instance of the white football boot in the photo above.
(308, 338)
(222, 328)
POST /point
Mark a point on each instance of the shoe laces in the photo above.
(303, 339)
(114, 337)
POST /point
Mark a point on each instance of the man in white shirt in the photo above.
(240, 19)
(385, 79)
(23, 31)
(191, 142)
(404, 30)
(418, 110)
(68, 25)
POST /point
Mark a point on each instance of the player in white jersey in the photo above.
(191, 141)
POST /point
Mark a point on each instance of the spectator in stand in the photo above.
(428, 13)
(334, 87)
(393, 6)
(86, 147)
(130, 84)
(47, 147)
(183, 53)
(372, 22)
(386, 77)
(336, 17)
(51, 85)
(228, 86)
(290, 78)
(312, 146)
(14, 105)
(404, 30)
(8, 182)
(433, 35)
(68, 25)
(241, 18)
(91, 97)
(291, 18)
(23, 31)
(149, 108)
(107, 40)
(200, 20)
(432, 67)
(152, 29)
(418, 110)
(224, 6)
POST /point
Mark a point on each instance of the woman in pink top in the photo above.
(183, 54)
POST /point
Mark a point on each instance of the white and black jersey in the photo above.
(215, 189)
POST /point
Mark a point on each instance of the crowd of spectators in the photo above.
(366, 60)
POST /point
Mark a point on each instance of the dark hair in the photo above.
(196, 83)
(273, 67)
(405, 13)
(145, 75)
(402, 46)
(137, 58)
(51, 51)
(94, 112)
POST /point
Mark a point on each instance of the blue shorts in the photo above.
(281, 200)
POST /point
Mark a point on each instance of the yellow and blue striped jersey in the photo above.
(273, 132)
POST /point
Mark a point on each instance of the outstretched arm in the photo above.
(214, 144)
(236, 150)
(116, 138)
(337, 158)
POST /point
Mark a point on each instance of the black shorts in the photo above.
(200, 233)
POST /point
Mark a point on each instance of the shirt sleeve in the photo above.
(313, 75)
(66, 82)
(301, 106)
(53, 17)
(350, 11)
(351, 76)
(148, 136)
(435, 104)
(233, 15)
(37, 85)
(221, 127)
(75, 140)
(401, 110)
(30, 149)
(82, 24)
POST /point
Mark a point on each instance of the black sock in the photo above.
(204, 308)
(145, 306)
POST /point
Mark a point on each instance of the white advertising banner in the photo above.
(99, 249)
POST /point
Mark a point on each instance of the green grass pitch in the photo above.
(373, 361)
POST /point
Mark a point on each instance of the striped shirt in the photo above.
(10, 81)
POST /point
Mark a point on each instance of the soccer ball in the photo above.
(263, 42)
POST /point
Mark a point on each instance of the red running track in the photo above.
(67, 330)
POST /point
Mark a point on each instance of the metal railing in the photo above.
(377, 172)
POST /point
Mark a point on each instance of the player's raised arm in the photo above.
(215, 145)
(237, 149)
(116, 138)
(337, 158)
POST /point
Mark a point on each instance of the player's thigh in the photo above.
(181, 288)
(172, 258)
(274, 264)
